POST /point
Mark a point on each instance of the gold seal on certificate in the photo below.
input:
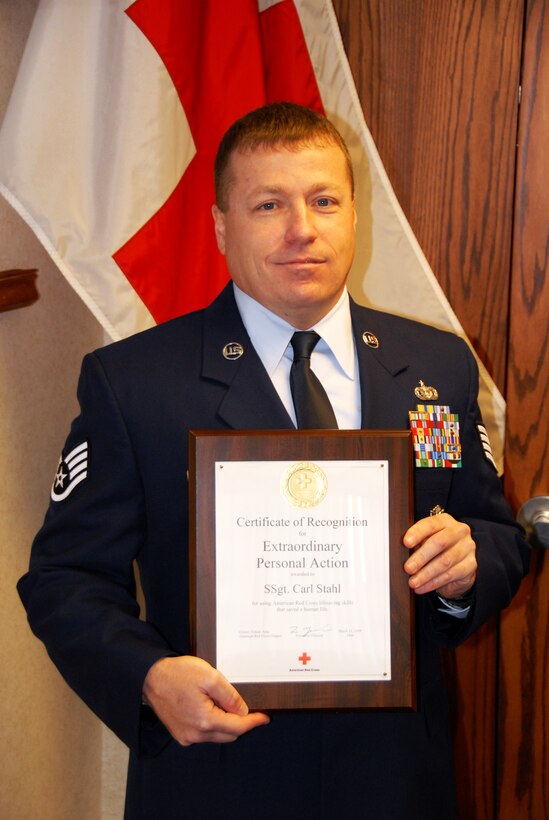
(305, 484)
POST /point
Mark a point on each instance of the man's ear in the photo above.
(219, 225)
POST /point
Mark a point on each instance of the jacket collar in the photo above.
(251, 402)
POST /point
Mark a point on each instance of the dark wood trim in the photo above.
(17, 288)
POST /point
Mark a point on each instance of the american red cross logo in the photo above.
(304, 659)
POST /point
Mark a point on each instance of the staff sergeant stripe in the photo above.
(486, 446)
(71, 471)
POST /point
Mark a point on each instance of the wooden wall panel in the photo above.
(524, 680)
(438, 83)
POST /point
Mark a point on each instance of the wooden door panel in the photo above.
(438, 84)
(523, 747)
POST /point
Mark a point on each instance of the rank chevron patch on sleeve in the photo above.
(71, 471)
(486, 446)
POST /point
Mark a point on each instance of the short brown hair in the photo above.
(281, 124)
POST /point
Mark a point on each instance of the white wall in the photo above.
(57, 761)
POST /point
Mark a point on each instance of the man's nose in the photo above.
(301, 225)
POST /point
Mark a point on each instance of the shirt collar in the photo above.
(270, 334)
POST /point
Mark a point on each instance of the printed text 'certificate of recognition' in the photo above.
(302, 571)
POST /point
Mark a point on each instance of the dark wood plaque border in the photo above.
(208, 446)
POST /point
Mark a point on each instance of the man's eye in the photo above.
(323, 201)
(267, 206)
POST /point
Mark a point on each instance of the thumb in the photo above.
(227, 697)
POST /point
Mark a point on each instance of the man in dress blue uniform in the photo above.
(285, 220)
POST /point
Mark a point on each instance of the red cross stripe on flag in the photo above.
(304, 659)
(224, 60)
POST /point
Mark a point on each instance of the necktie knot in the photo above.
(303, 343)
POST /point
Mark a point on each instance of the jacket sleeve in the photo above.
(476, 497)
(80, 590)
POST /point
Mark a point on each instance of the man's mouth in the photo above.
(302, 260)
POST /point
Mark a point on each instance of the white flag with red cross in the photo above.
(107, 147)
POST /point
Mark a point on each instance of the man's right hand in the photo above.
(196, 703)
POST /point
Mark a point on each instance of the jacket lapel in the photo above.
(383, 371)
(250, 400)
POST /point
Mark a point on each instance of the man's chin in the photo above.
(304, 309)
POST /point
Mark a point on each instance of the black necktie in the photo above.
(312, 406)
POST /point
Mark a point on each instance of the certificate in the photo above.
(297, 588)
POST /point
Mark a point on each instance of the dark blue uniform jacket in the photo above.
(139, 398)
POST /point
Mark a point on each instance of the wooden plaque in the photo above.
(299, 606)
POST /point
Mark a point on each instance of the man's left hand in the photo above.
(443, 557)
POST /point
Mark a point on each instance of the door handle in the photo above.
(534, 517)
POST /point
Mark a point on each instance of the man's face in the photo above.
(288, 231)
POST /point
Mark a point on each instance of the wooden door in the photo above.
(523, 738)
(439, 85)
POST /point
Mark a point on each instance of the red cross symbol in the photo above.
(273, 64)
(304, 659)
